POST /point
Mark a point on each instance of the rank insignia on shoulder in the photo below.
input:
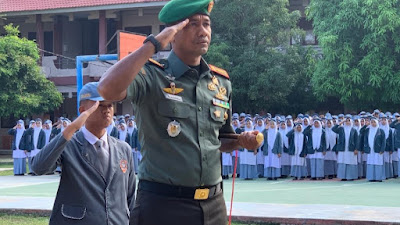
(152, 61)
(173, 90)
(219, 71)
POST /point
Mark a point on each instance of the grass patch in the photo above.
(7, 219)
(7, 173)
(6, 164)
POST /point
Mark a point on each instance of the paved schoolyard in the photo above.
(261, 200)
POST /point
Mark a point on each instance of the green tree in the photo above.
(360, 40)
(24, 88)
(251, 40)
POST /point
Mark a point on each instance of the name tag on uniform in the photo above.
(221, 103)
(173, 97)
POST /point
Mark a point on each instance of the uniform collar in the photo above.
(177, 68)
(92, 139)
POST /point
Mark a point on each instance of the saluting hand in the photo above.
(248, 140)
(168, 34)
(79, 122)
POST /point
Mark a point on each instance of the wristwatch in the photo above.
(154, 41)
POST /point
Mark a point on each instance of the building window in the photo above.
(48, 41)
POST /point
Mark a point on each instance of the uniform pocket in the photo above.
(173, 109)
(217, 114)
(73, 212)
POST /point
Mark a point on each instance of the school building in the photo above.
(66, 29)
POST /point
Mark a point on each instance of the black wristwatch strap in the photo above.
(154, 41)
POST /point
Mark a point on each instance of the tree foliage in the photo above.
(360, 40)
(24, 88)
(251, 39)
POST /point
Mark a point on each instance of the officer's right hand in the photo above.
(168, 34)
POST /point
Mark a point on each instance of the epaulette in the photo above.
(219, 71)
(152, 61)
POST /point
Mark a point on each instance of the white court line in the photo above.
(289, 189)
(28, 184)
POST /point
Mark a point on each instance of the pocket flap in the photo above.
(217, 114)
(73, 212)
(173, 109)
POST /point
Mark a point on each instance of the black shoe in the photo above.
(295, 178)
(343, 179)
(313, 178)
(330, 177)
(284, 176)
(275, 178)
(269, 178)
(238, 175)
(378, 181)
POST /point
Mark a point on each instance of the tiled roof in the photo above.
(36, 5)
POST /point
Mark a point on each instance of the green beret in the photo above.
(177, 10)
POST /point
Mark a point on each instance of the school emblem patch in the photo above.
(123, 164)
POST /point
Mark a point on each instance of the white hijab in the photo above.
(316, 135)
(289, 128)
(385, 128)
(20, 132)
(272, 135)
(347, 131)
(358, 128)
(283, 132)
(132, 128)
(123, 133)
(330, 136)
(48, 131)
(298, 140)
(372, 134)
(62, 124)
(308, 120)
(260, 128)
(36, 132)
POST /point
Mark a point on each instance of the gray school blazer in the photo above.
(84, 195)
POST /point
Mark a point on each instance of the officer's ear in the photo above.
(83, 106)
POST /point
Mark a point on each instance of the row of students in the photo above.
(349, 149)
(28, 142)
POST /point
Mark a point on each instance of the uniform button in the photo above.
(204, 158)
(201, 134)
(200, 108)
(174, 110)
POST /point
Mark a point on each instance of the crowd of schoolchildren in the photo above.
(28, 141)
(347, 147)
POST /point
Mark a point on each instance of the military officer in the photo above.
(182, 106)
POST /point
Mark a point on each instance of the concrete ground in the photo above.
(282, 201)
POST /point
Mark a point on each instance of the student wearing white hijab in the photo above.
(238, 130)
(395, 125)
(272, 149)
(374, 147)
(260, 126)
(123, 134)
(47, 130)
(19, 155)
(306, 123)
(395, 155)
(64, 124)
(112, 129)
(298, 152)
(330, 158)
(347, 148)
(387, 155)
(364, 122)
(248, 159)
(357, 126)
(34, 139)
(285, 159)
(316, 149)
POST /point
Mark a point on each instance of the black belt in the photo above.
(199, 193)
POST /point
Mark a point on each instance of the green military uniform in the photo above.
(195, 150)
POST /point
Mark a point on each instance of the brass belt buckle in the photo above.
(201, 194)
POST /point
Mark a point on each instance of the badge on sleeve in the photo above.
(123, 164)
(174, 128)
